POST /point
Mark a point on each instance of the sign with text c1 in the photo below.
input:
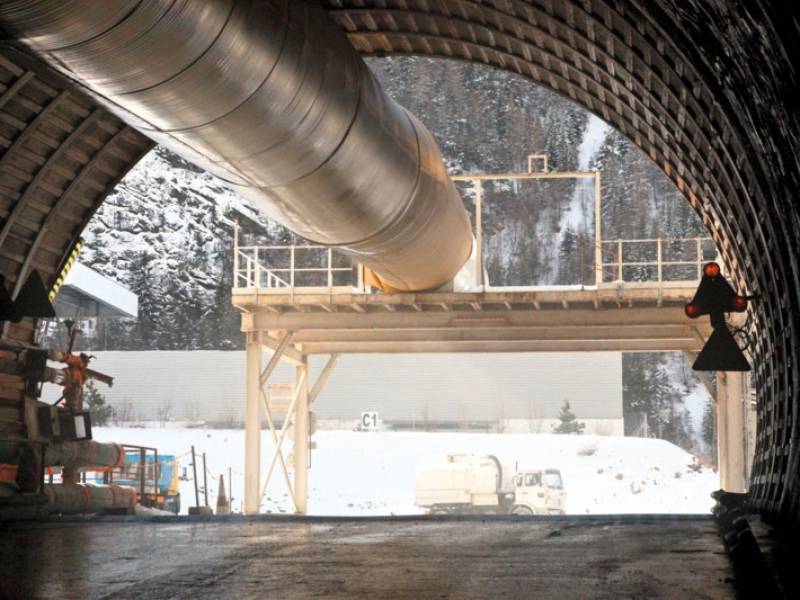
(369, 420)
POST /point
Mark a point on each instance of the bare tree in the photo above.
(501, 418)
(164, 412)
(124, 412)
(191, 412)
(535, 423)
(424, 415)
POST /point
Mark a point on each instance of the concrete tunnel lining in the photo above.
(704, 90)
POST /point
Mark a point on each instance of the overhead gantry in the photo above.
(295, 323)
(302, 301)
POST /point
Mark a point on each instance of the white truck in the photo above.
(469, 484)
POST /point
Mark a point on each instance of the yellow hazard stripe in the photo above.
(73, 256)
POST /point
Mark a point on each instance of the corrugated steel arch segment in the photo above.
(702, 88)
(705, 90)
(60, 156)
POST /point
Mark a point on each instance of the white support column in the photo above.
(731, 431)
(252, 426)
(302, 435)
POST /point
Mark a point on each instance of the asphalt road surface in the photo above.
(569, 557)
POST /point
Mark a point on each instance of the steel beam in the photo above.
(675, 293)
(280, 348)
(664, 345)
(284, 349)
(263, 321)
(277, 449)
(323, 378)
(464, 334)
(289, 417)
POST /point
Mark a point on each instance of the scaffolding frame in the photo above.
(294, 323)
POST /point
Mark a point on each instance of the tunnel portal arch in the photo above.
(704, 89)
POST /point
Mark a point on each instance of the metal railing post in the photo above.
(236, 254)
(479, 231)
(143, 465)
(257, 269)
(699, 259)
(619, 258)
(658, 245)
(598, 233)
(291, 266)
(330, 266)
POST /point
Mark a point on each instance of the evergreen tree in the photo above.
(568, 271)
(708, 430)
(647, 388)
(568, 422)
(95, 402)
(709, 418)
(146, 333)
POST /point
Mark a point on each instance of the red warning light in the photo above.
(739, 303)
(692, 310)
(711, 269)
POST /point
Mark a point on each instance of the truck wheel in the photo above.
(522, 511)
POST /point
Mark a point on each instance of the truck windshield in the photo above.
(553, 479)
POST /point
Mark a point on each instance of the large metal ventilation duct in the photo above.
(271, 97)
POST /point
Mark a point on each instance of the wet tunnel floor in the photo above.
(644, 557)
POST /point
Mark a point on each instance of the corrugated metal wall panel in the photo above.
(210, 385)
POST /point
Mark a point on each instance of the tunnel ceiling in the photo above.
(706, 89)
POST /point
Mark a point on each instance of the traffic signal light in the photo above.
(715, 297)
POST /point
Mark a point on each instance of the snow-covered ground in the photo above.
(372, 473)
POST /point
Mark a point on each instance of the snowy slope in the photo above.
(373, 473)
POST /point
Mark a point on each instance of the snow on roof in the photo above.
(87, 293)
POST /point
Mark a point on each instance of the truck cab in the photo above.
(556, 495)
(539, 492)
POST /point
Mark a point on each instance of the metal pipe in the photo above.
(205, 481)
(194, 476)
(80, 498)
(270, 96)
(83, 454)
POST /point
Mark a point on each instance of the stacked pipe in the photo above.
(83, 454)
(270, 96)
(82, 498)
(75, 498)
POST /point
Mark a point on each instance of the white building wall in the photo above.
(517, 389)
